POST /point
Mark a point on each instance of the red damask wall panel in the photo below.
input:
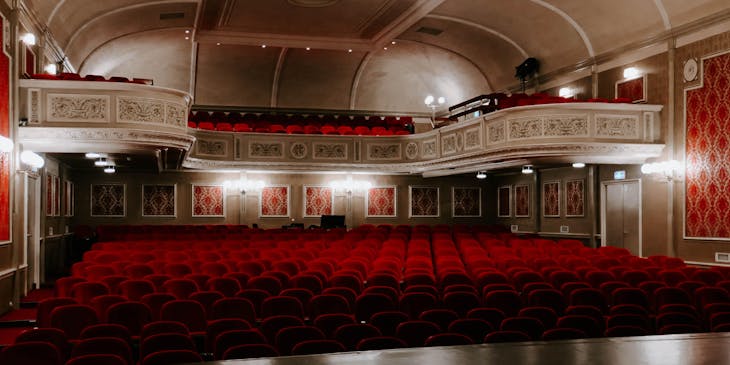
(158, 200)
(381, 202)
(107, 200)
(634, 89)
(424, 201)
(522, 200)
(466, 202)
(318, 201)
(208, 201)
(574, 198)
(5, 131)
(504, 197)
(274, 201)
(551, 199)
(707, 146)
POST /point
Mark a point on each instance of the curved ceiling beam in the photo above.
(277, 76)
(480, 27)
(119, 10)
(53, 12)
(356, 80)
(572, 22)
(86, 58)
(467, 59)
(663, 12)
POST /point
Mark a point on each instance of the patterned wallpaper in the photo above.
(275, 201)
(424, 201)
(381, 202)
(318, 201)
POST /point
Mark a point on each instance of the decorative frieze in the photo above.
(140, 110)
(566, 126)
(428, 148)
(298, 150)
(473, 138)
(266, 150)
(383, 151)
(34, 109)
(525, 128)
(448, 144)
(210, 148)
(617, 126)
(411, 150)
(330, 151)
(77, 108)
(495, 132)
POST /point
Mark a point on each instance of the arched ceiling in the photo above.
(455, 48)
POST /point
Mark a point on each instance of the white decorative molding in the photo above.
(448, 144)
(329, 151)
(43, 139)
(34, 108)
(77, 108)
(266, 149)
(473, 138)
(176, 115)
(298, 150)
(495, 132)
(383, 151)
(211, 148)
(459, 141)
(524, 128)
(566, 126)
(412, 150)
(140, 110)
(617, 126)
(648, 126)
(429, 149)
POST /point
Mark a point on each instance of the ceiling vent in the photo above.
(429, 31)
(169, 16)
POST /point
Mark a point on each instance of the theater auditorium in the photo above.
(364, 182)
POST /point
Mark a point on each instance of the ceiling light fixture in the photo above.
(481, 175)
(349, 50)
(186, 38)
(110, 169)
(579, 165)
(92, 155)
(308, 48)
(565, 92)
(385, 48)
(187, 31)
(392, 42)
(263, 46)
(218, 44)
(51, 69)
(527, 169)
(100, 162)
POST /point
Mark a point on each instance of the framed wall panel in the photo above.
(423, 201)
(159, 200)
(551, 199)
(504, 201)
(381, 202)
(522, 200)
(108, 200)
(318, 200)
(209, 200)
(274, 201)
(69, 194)
(575, 198)
(466, 201)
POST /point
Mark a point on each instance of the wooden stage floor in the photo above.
(686, 349)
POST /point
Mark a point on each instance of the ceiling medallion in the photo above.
(313, 3)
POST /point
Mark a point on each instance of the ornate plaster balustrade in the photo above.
(78, 116)
(589, 132)
(69, 116)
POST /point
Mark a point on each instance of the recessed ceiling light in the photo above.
(349, 50)
(481, 175)
(308, 48)
(92, 155)
(186, 38)
(218, 44)
(393, 42)
(385, 48)
(110, 169)
(100, 162)
(527, 169)
(579, 165)
(263, 46)
(187, 31)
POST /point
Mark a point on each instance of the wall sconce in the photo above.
(349, 185)
(32, 159)
(481, 175)
(433, 103)
(6, 145)
(244, 186)
(566, 92)
(527, 169)
(631, 73)
(28, 39)
(667, 169)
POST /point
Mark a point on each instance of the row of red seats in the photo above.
(76, 77)
(359, 130)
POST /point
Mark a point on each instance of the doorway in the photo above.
(621, 215)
